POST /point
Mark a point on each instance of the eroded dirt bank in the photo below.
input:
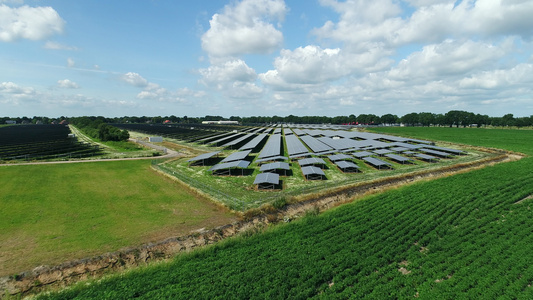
(51, 277)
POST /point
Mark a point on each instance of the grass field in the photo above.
(59, 212)
(460, 237)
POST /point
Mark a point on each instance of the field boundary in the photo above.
(52, 277)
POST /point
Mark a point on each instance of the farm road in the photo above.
(169, 154)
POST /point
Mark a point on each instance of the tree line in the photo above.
(452, 118)
(97, 127)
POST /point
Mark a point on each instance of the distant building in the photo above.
(155, 139)
(221, 122)
(11, 122)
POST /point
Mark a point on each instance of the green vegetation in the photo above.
(59, 212)
(97, 128)
(463, 236)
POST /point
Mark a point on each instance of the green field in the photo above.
(58, 212)
(459, 237)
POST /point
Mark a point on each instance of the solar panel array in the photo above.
(270, 178)
(294, 146)
(376, 162)
(311, 161)
(236, 156)
(272, 147)
(347, 166)
(315, 145)
(236, 141)
(254, 142)
(311, 172)
(317, 141)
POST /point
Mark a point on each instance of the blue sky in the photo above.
(265, 57)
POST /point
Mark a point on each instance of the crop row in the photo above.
(462, 236)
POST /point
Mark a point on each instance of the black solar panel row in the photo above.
(315, 145)
(272, 147)
(294, 145)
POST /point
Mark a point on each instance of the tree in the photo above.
(426, 118)
(410, 119)
(389, 119)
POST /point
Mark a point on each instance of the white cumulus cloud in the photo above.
(244, 28)
(25, 22)
(67, 84)
(134, 79)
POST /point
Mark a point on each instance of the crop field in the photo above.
(462, 236)
(59, 212)
(41, 142)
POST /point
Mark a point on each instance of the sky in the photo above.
(265, 57)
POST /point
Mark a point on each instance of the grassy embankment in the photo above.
(462, 236)
(55, 213)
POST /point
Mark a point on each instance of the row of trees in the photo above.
(97, 127)
(452, 118)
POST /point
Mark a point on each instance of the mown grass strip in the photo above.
(55, 213)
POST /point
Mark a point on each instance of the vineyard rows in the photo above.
(38, 142)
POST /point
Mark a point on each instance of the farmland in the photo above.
(463, 236)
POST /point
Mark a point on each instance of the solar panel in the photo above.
(295, 146)
(275, 166)
(213, 137)
(435, 152)
(454, 151)
(271, 178)
(272, 147)
(204, 156)
(406, 145)
(311, 161)
(347, 166)
(315, 145)
(299, 132)
(376, 162)
(254, 142)
(399, 149)
(362, 154)
(236, 156)
(382, 152)
(399, 158)
(310, 170)
(238, 140)
(225, 139)
(272, 158)
(230, 165)
(426, 157)
(338, 157)
(338, 144)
